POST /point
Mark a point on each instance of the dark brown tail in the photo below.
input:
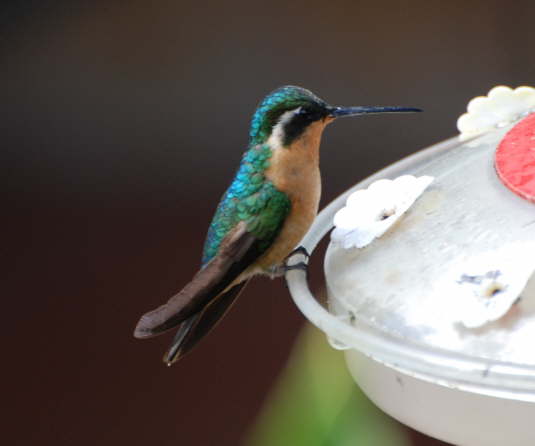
(193, 329)
(238, 251)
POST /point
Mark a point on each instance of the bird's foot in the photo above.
(301, 266)
(280, 270)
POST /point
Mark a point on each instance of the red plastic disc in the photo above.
(515, 159)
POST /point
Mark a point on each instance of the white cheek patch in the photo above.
(277, 134)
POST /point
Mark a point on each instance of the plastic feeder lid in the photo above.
(447, 293)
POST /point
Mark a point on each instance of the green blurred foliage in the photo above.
(316, 403)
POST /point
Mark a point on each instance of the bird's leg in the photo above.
(280, 270)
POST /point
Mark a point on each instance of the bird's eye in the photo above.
(307, 115)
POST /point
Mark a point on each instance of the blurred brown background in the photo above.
(123, 122)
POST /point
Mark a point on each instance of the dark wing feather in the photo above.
(238, 250)
(193, 329)
(260, 218)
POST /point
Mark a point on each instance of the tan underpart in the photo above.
(295, 171)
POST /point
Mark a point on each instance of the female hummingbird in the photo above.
(262, 216)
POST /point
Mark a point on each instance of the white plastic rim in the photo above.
(448, 368)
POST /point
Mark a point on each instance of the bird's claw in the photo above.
(299, 250)
(301, 266)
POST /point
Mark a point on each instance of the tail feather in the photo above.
(237, 252)
(193, 329)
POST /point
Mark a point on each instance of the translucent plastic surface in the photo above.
(456, 261)
(393, 300)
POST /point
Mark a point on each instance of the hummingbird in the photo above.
(262, 216)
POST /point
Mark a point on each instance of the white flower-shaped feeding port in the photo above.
(500, 107)
(483, 288)
(370, 212)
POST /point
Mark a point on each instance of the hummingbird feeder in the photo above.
(430, 277)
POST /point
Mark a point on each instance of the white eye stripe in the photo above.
(277, 134)
(288, 115)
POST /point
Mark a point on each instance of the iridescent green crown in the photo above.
(274, 104)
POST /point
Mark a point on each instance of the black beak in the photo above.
(338, 112)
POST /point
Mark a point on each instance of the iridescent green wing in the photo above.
(265, 213)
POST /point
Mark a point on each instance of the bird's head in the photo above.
(286, 113)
